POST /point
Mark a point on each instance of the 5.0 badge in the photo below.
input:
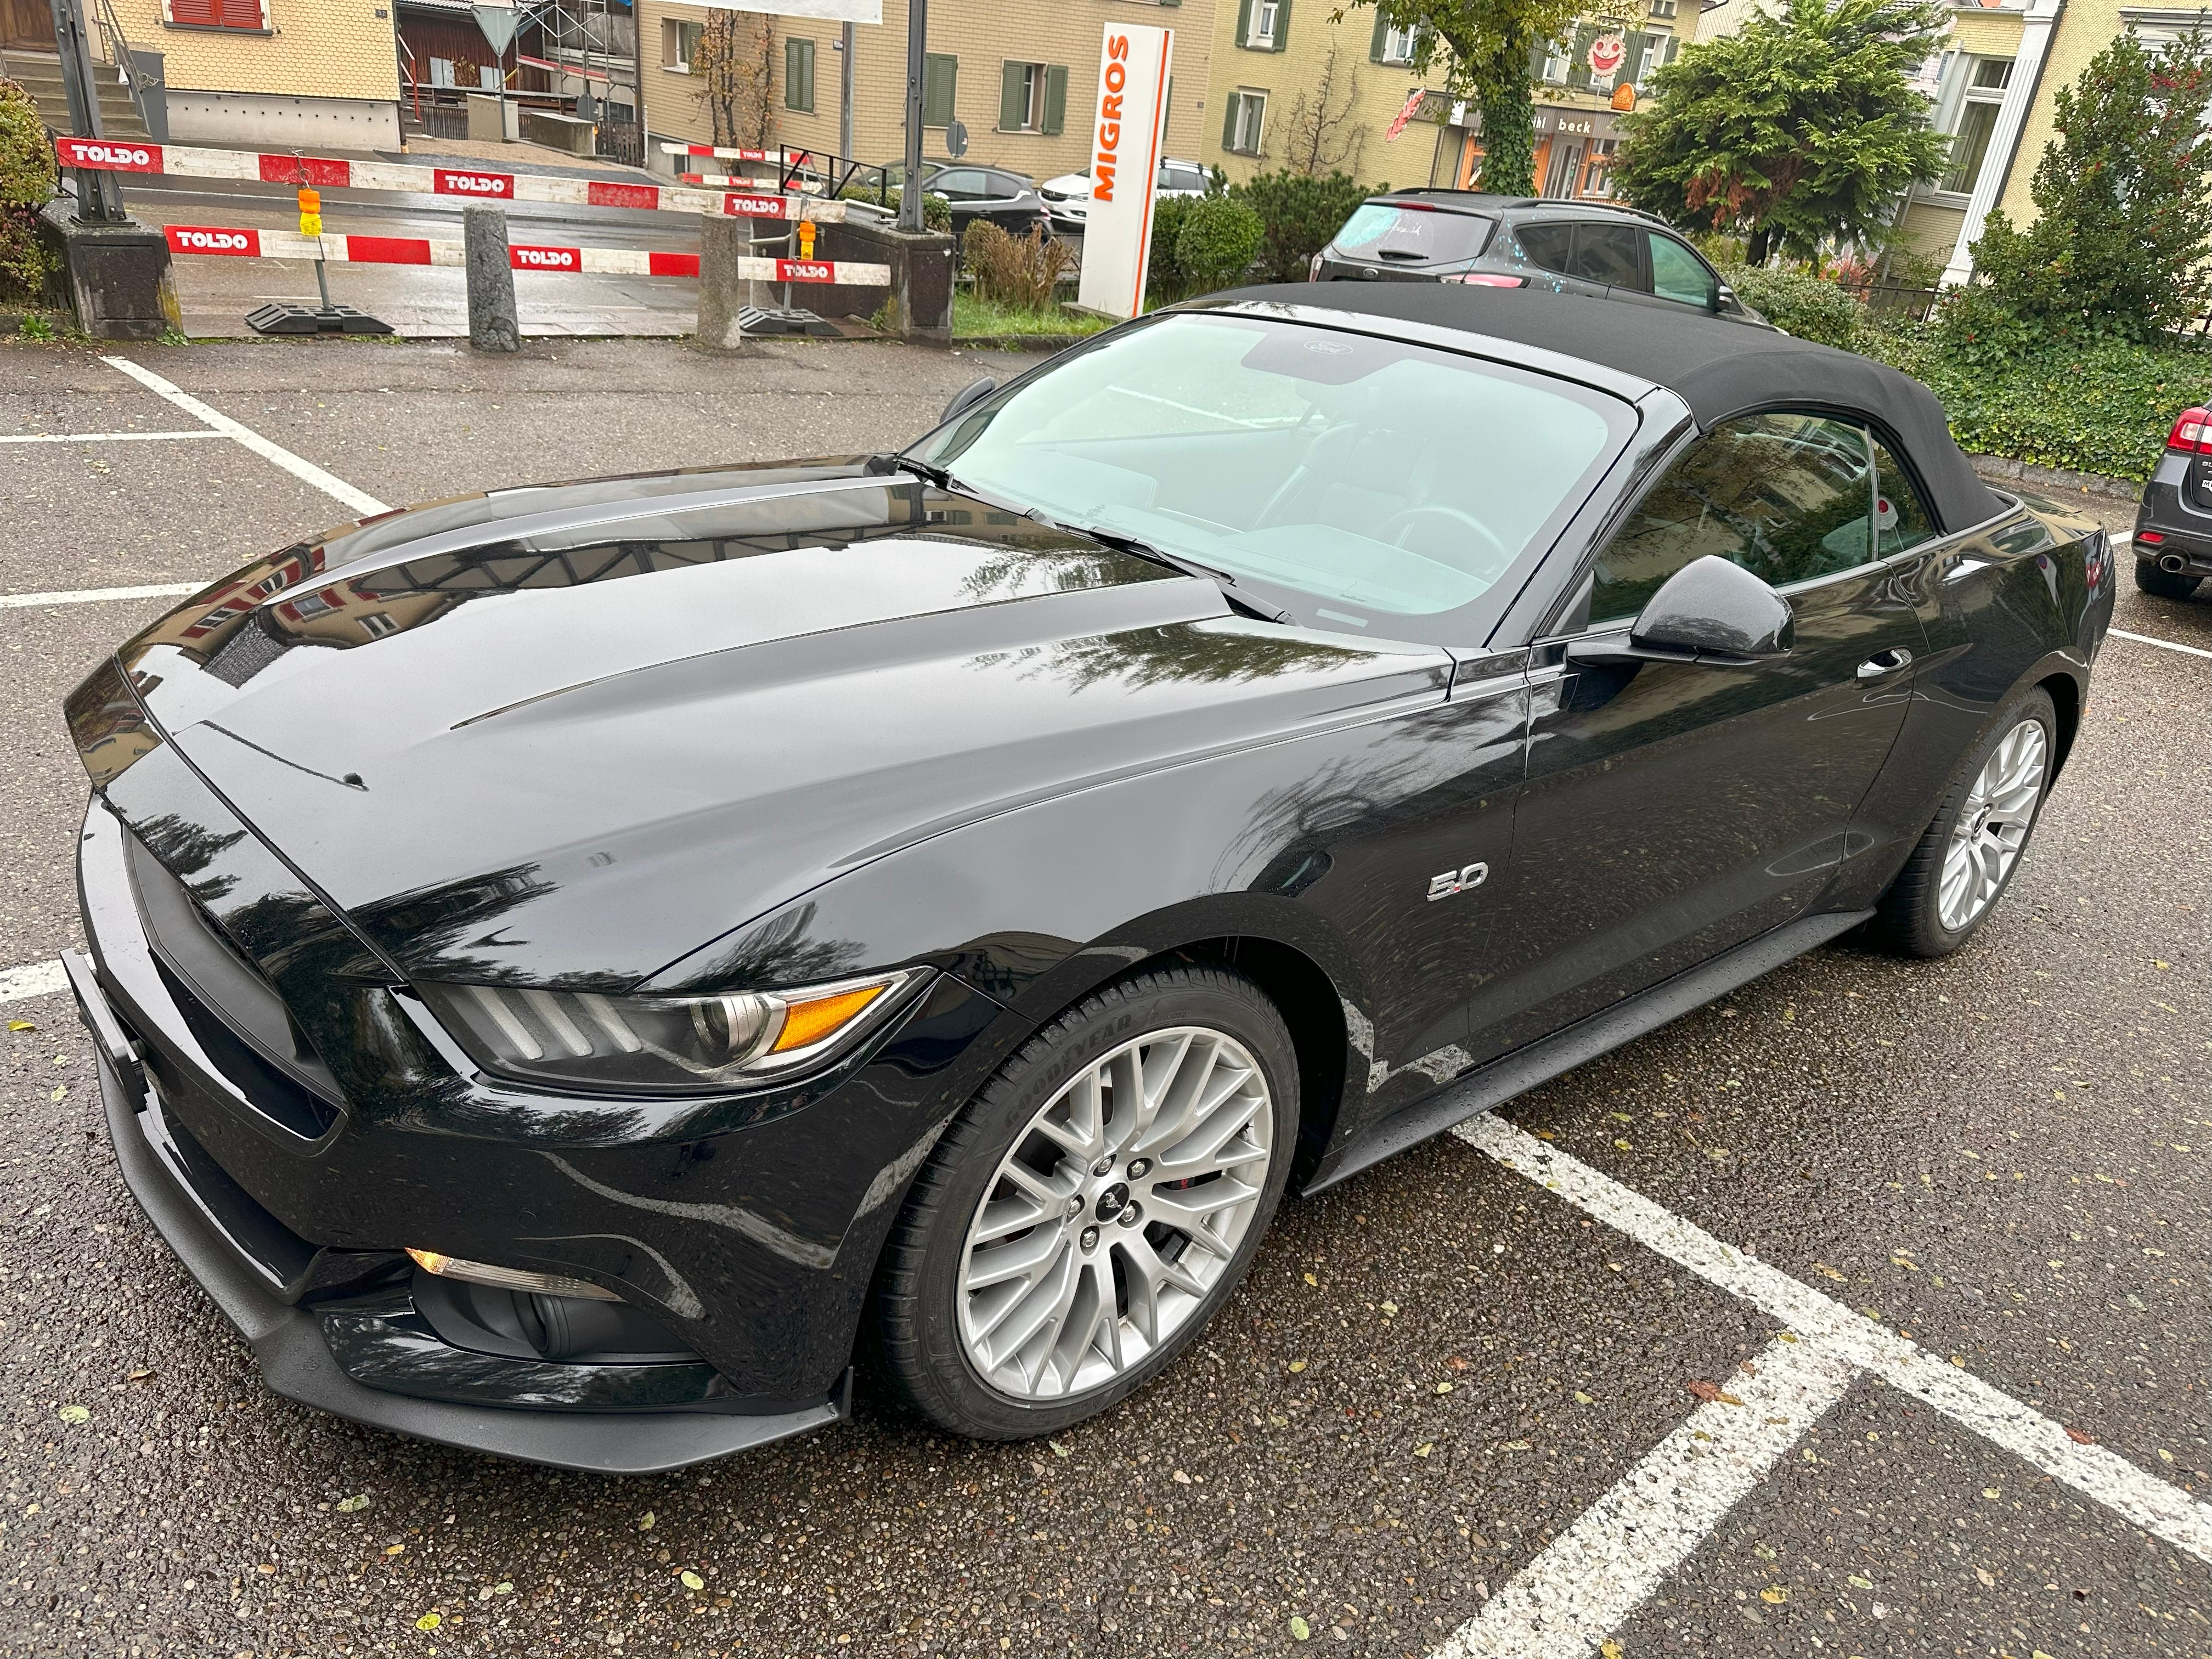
(1458, 881)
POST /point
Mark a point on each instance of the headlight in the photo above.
(661, 1044)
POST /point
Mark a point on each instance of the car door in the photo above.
(1009, 203)
(964, 188)
(1672, 277)
(1674, 810)
(1549, 246)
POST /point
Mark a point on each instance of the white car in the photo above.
(1068, 197)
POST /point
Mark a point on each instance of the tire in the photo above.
(1919, 915)
(2162, 584)
(953, 1355)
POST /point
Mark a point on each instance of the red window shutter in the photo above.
(199, 12)
(241, 14)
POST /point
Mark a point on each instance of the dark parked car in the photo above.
(570, 967)
(2173, 524)
(1519, 242)
(1008, 200)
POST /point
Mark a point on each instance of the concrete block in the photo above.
(116, 276)
(492, 323)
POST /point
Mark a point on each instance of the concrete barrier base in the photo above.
(116, 276)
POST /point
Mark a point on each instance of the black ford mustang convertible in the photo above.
(575, 969)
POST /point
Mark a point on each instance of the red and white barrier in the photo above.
(725, 153)
(243, 243)
(476, 185)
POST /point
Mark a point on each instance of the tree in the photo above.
(1801, 129)
(1323, 137)
(27, 183)
(735, 66)
(1485, 48)
(1299, 212)
(2124, 225)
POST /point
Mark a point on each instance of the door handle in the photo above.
(1884, 662)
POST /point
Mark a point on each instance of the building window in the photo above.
(1597, 176)
(1262, 25)
(1246, 125)
(1032, 98)
(799, 75)
(249, 16)
(1977, 120)
(1662, 8)
(940, 80)
(1392, 45)
(1658, 49)
(1551, 62)
(679, 43)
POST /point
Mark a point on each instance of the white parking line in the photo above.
(1591, 1577)
(37, 979)
(1594, 1576)
(2163, 645)
(100, 595)
(338, 489)
(102, 437)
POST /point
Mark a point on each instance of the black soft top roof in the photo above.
(1719, 368)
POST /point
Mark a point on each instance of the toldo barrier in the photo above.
(243, 243)
(472, 184)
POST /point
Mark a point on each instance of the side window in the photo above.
(1900, 520)
(1547, 245)
(1679, 275)
(958, 185)
(1609, 254)
(1788, 497)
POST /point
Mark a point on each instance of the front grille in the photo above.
(235, 1015)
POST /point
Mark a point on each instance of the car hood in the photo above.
(571, 734)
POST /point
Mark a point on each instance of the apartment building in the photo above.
(1020, 76)
(1317, 93)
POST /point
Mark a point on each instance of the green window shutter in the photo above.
(1055, 96)
(1243, 22)
(1382, 33)
(1579, 68)
(1674, 46)
(1229, 122)
(1013, 97)
(799, 75)
(1282, 25)
(940, 79)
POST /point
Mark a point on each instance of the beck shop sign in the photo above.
(1133, 61)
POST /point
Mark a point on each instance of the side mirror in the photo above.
(1723, 296)
(1710, 611)
(968, 396)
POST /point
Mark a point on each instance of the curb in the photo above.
(1019, 342)
(2003, 469)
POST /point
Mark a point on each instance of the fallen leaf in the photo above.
(1310, 1279)
(645, 1521)
(1610, 1648)
(1299, 1629)
(1059, 1451)
(61, 1093)
(1423, 1451)
(1581, 1398)
(505, 1587)
(1455, 1364)
(428, 1621)
(21, 1025)
(1711, 1392)
(1990, 1492)
(1444, 1388)
(137, 1375)
(76, 1414)
(2078, 1438)
(1296, 1366)
(355, 1504)
(1858, 1583)
(1826, 1271)
(1389, 1310)
(1774, 1594)
(691, 1580)
(395, 1549)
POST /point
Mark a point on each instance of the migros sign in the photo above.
(1112, 85)
(1134, 60)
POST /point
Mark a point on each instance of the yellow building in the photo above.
(278, 74)
(1020, 76)
(1316, 95)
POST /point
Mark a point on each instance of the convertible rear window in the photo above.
(1383, 230)
(1365, 472)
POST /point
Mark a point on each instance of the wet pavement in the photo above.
(1432, 1370)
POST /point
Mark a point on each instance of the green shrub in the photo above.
(1806, 305)
(2105, 407)
(26, 184)
(1300, 213)
(1164, 282)
(1220, 238)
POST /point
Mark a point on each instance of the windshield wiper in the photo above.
(1145, 550)
(923, 469)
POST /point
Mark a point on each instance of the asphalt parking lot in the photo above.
(1509, 1395)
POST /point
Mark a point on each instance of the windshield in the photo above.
(1380, 230)
(1380, 479)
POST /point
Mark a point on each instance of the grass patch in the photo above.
(973, 317)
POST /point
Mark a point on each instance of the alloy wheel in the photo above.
(1122, 1203)
(1993, 825)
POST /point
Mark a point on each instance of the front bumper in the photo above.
(291, 1345)
(745, 1240)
